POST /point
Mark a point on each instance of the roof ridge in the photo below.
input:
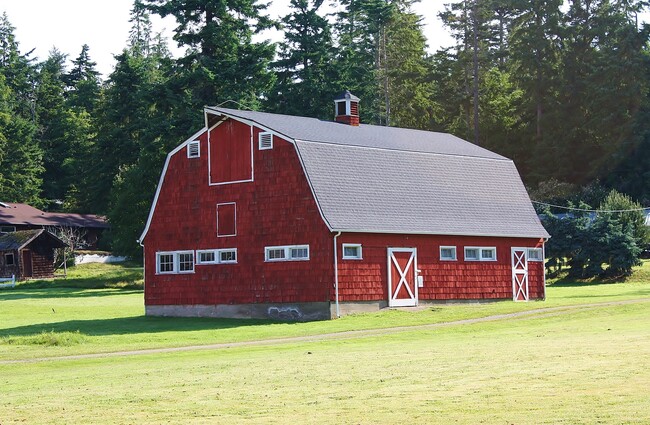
(503, 158)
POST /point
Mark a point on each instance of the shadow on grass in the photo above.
(20, 293)
(133, 325)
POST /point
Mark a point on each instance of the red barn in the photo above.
(273, 216)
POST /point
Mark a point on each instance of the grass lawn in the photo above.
(576, 364)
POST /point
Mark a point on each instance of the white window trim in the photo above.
(174, 268)
(206, 251)
(480, 253)
(235, 217)
(7, 228)
(196, 143)
(217, 256)
(287, 253)
(352, 245)
(541, 254)
(176, 262)
(453, 248)
(260, 145)
(220, 251)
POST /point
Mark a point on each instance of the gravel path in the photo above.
(540, 312)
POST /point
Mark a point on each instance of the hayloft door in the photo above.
(402, 277)
(520, 274)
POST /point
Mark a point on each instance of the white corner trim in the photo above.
(162, 179)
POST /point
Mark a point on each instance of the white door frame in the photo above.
(519, 274)
(412, 290)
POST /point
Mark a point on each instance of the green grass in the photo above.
(112, 319)
(93, 276)
(576, 364)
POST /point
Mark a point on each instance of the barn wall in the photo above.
(367, 279)
(185, 218)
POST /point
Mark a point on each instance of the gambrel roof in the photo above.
(379, 179)
(375, 179)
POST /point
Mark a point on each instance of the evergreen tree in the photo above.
(407, 86)
(360, 32)
(20, 155)
(221, 61)
(83, 82)
(304, 71)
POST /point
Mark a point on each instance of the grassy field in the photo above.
(576, 363)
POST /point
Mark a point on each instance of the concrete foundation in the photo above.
(298, 312)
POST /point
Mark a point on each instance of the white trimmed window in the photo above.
(227, 256)
(286, 253)
(479, 253)
(7, 229)
(194, 149)
(265, 141)
(175, 262)
(216, 256)
(352, 251)
(165, 262)
(448, 253)
(535, 254)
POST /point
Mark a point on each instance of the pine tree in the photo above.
(304, 70)
(221, 61)
(407, 86)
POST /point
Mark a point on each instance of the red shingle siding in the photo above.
(367, 279)
(276, 209)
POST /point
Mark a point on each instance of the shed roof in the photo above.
(22, 238)
(392, 180)
(23, 214)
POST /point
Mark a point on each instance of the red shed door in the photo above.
(402, 281)
(520, 274)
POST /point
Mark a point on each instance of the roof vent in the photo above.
(346, 108)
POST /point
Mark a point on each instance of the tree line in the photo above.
(559, 86)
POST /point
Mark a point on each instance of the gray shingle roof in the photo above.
(393, 180)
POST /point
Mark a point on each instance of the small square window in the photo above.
(10, 259)
(535, 254)
(351, 251)
(265, 141)
(274, 254)
(206, 257)
(228, 256)
(488, 254)
(299, 253)
(448, 253)
(471, 254)
(193, 149)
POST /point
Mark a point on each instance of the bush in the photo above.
(608, 243)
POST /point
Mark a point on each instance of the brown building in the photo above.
(15, 217)
(28, 254)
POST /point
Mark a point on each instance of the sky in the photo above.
(104, 26)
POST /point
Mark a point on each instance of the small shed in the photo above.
(28, 254)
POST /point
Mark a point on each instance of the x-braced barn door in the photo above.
(520, 274)
(402, 279)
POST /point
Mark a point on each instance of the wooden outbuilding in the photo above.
(27, 254)
(276, 216)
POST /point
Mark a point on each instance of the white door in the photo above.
(402, 277)
(520, 274)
